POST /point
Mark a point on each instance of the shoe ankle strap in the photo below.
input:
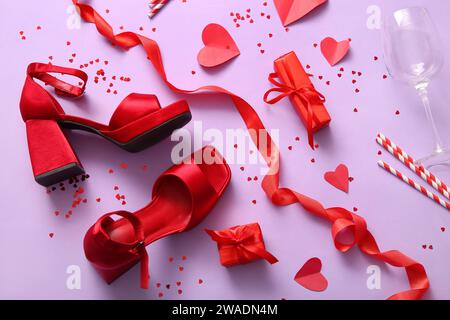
(40, 71)
(138, 246)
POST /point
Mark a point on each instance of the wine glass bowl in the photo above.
(412, 46)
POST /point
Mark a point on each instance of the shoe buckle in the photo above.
(139, 245)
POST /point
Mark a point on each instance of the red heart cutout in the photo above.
(309, 276)
(219, 46)
(334, 51)
(292, 10)
(338, 178)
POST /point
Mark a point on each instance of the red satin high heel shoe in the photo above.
(182, 198)
(137, 123)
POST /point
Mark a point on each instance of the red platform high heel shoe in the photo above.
(182, 197)
(137, 123)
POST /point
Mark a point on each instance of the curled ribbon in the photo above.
(241, 244)
(306, 95)
(341, 219)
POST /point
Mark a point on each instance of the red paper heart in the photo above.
(309, 276)
(219, 46)
(334, 51)
(338, 178)
(292, 10)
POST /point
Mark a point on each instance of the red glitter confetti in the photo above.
(123, 165)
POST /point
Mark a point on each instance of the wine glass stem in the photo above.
(423, 93)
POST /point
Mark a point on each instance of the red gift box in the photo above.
(296, 84)
(241, 244)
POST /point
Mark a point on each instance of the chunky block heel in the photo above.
(52, 156)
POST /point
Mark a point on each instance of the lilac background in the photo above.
(33, 265)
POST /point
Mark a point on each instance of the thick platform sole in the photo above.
(143, 141)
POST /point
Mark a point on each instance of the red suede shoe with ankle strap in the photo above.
(182, 197)
(137, 123)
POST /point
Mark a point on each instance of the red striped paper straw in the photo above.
(157, 7)
(413, 167)
(414, 184)
(399, 151)
(153, 3)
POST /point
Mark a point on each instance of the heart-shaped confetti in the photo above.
(338, 178)
(310, 277)
(219, 46)
(293, 10)
(334, 51)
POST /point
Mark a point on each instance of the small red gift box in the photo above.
(241, 244)
(296, 84)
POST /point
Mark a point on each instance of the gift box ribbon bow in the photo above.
(247, 238)
(307, 95)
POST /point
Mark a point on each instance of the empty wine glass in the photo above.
(412, 51)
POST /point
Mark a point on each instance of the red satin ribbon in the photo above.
(306, 96)
(241, 244)
(341, 219)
